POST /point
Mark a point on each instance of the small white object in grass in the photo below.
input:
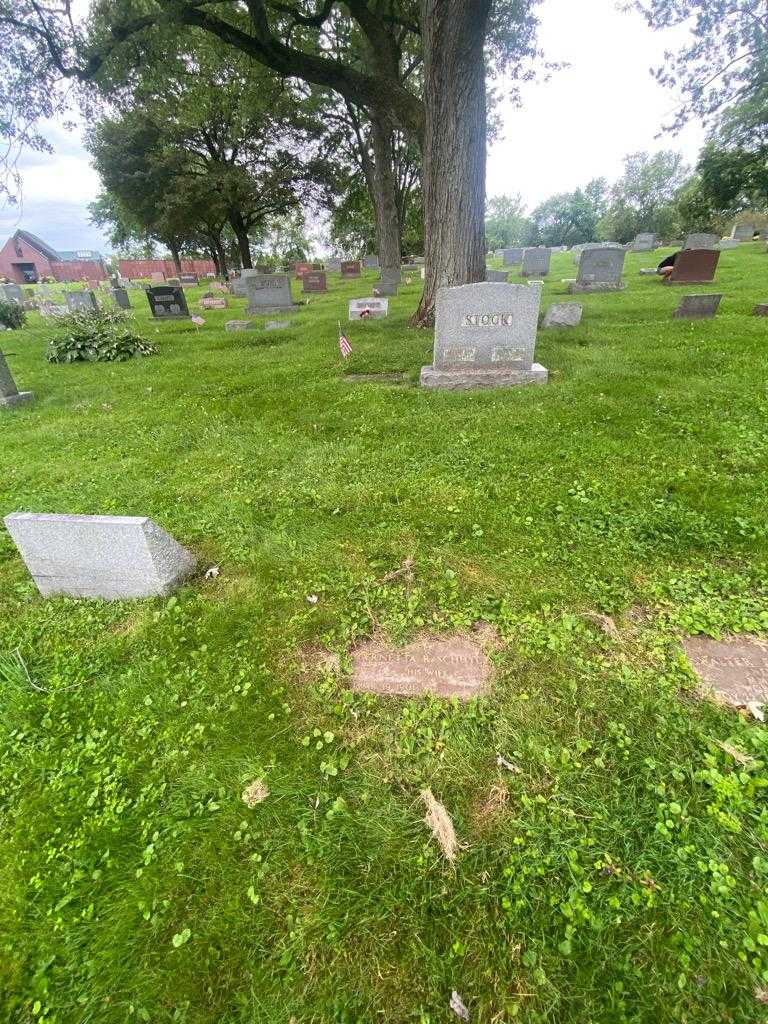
(212, 573)
(255, 793)
(502, 762)
(755, 708)
(438, 820)
(312, 598)
(458, 1006)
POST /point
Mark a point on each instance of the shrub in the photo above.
(103, 336)
(12, 315)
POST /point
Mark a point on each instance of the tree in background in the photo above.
(505, 222)
(643, 199)
(569, 217)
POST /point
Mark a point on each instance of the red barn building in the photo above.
(25, 259)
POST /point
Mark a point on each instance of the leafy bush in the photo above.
(102, 336)
(12, 315)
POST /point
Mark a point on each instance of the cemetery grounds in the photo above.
(615, 872)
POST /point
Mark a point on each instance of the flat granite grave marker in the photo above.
(446, 667)
(700, 240)
(350, 268)
(368, 309)
(10, 396)
(726, 244)
(81, 302)
(238, 325)
(694, 266)
(120, 298)
(697, 307)
(536, 262)
(563, 314)
(269, 293)
(213, 303)
(743, 232)
(110, 557)
(512, 257)
(599, 270)
(314, 281)
(735, 668)
(485, 335)
(167, 302)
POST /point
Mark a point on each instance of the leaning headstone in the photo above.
(495, 275)
(485, 335)
(563, 314)
(697, 307)
(10, 396)
(167, 302)
(700, 240)
(11, 293)
(314, 281)
(239, 325)
(743, 232)
(269, 293)
(645, 241)
(536, 262)
(694, 266)
(371, 262)
(511, 257)
(599, 270)
(120, 298)
(81, 302)
(189, 279)
(350, 268)
(109, 557)
(368, 309)
(761, 309)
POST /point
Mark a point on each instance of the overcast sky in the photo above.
(575, 127)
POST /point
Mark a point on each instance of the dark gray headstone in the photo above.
(167, 302)
(512, 257)
(496, 275)
(697, 307)
(599, 270)
(389, 282)
(536, 262)
(10, 395)
(120, 298)
(644, 242)
(371, 262)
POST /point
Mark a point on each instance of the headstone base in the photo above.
(23, 398)
(576, 288)
(457, 379)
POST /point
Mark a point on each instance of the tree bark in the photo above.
(385, 196)
(453, 33)
(175, 255)
(243, 242)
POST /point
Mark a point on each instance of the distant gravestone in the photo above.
(371, 262)
(700, 240)
(10, 396)
(697, 307)
(725, 244)
(735, 668)
(485, 335)
(167, 302)
(109, 557)
(743, 232)
(11, 293)
(350, 268)
(120, 298)
(536, 262)
(301, 268)
(496, 275)
(269, 293)
(512, 257)
(563, 314)
(389, 282)
(212, 303)
(81, 302)
(645, 241)
(599, 270)
(239, 325)
(314, 281)
(189, 279)
(276, 325)
(368, 309)
(334, 265)
(694, 266)
(157, 276)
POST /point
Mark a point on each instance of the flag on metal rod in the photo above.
(344, 347)
(198, 321)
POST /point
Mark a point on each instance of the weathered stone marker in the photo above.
(371, 262)
(700, 240)
(563, 314)
(447, 667)
(269, 293)
(368, 309)
(644, 242)
(599, 270)
(743, 232)
(10, 396)
(81, 302)
(167, 302)
(333, 264)
(238, 325)
(111, 557)
(697, 307)
(694, 266)
(512, 257)
(314, 281)
(536, 262)
(11, 293)
(735, 668)
(120, 298)
(301, 268)
(485, 335)
(496, 275)
(761, 309)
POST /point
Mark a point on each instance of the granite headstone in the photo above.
(697, 307)
(599, 270)
(694, 266)
(167, 302)
(269, 293)
(536, 262)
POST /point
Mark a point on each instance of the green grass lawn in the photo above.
(620, 877)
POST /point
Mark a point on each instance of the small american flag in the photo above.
(344, 347)
(198, 321)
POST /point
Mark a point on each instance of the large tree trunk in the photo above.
(175, 256)
(453, 33)
(385, 196)
(243, 242)
(221, 258)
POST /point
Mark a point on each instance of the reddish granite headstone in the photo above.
(350, 268)
(453, 666)
(300, 269)
(694, 266)
(314, 281)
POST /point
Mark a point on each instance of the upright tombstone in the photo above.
(269, 293)
(599, 270)
(350, 269)
(694, 266)
(536, 262)
(120, 298)
(301, 268)
(167, 302)
(238, 284)
(371, 262)
(11, 293)
(485, 335)
(10, 396)
(743, 232)
(314, 281)
(700, 240)
(81, 302)
(496, 275)
(368, 309)
(389, 281)
(512, 257)
(697, 307)
(109, 557)
(645, 241)
(189, 279)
